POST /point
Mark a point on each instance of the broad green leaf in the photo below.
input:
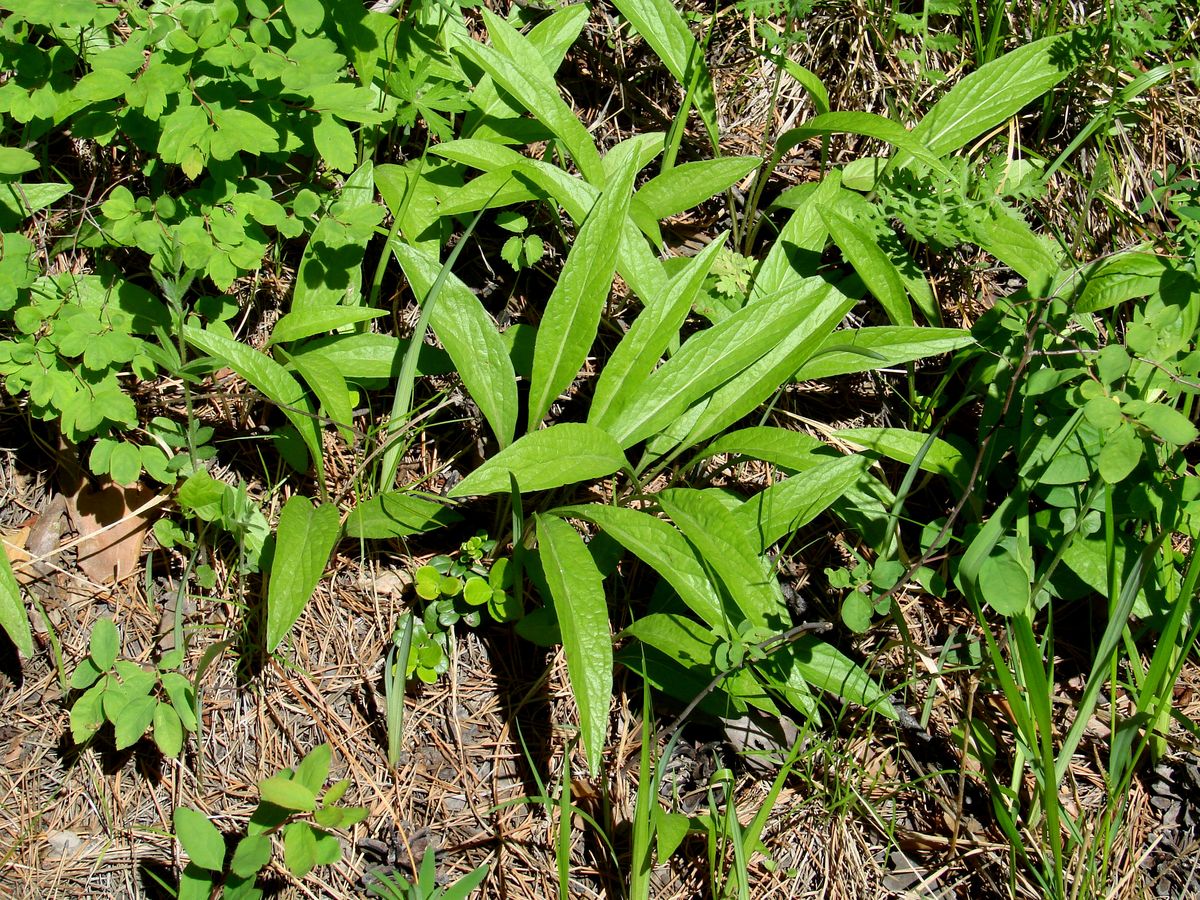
(522, 72)
(183, 698)
(553, 457)
(652, 333)
(23, 200)
(470, 337)
(1009, 238)
(808, 80)
(636, 262)
(996, 91)
(796, 254)
(373, 357)
(730, 548)
(135, 717)
(251, 854)
(664, 549)
(299, 848)
(827, 306)
(874, 266)
(325, 380)
(902, 445)
(659, 22)
(1167, 423)
(1119, 456)
(714, 356)
(197, 883)
(577, 591)
(791, 504)
(335, 142)
(1004, 582)
(168, 730)
(685, 186)
(200, 838)
(778, 446)
(314, 768)
(1123, 277)
(14, 161)
(573, 310)
(397, 514)
(303, 541)
(104, 644)
(86, 713)
(287, 794)
(551, 37)
(310, 320)
(864, 123)
(269, 377)
(825, 667)
(851, 350)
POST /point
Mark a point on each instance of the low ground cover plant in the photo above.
(252, 258)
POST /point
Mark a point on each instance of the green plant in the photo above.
(293, 808)
(130, 697)
(393, 887)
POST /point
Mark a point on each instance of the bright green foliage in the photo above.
(303, 541)
(131, 698)
(292, 806)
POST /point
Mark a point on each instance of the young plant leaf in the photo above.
(470, 337)
(779, 446)
(303, 541)
(902, 445)
(659, 22)
(685, 186)
(522, 72)
(784, 507)
(577, 591)
(555, 456)
(310, 320)
(874, 266)
(660, 545)
(997, 90)
(269, 377)
(201, 841)
(287, 794)
(728, 546)
(850, 350)
(397, 514)
(825, 667)
(652, 333)
(573, 311)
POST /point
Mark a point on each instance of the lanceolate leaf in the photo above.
(644, 344)
(555, 456)
(827, 668)
(796, 253)
(659, 22)
(325, 380)
(864, 349)
(730, 549)
(996, 91)
(793, 503)
(660, 545)
(714, 356)
(331, 268)
(577, 590)
(877, 271)
(12, 611)
(303, 541)
(573, 310)
(470, 337)
(522, 72)
(397, 514)
(761, 379)
(305, 322)
(863, 123)
(902, 445)
(269, 377)
(778, 446)
(682, 187)
(371, 357)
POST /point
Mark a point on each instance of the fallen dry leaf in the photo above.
(111, 553)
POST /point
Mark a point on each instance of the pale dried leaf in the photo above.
(111, 553)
